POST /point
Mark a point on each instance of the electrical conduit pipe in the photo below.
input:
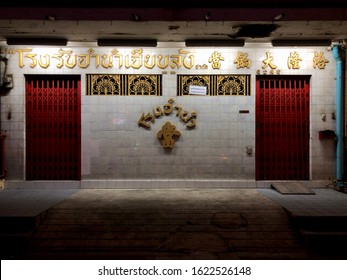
(339, 117)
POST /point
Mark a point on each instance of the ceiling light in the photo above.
(301, 43)
(127, 42)
(214, 43)
(37, 41)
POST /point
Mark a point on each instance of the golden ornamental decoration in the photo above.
(216, 85)
(167, 134)
(124, 84)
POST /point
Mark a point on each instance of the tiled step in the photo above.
(321, 223)
(323, 234)
(14, 234)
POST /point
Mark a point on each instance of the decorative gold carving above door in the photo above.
(124, 84)
(216, 85)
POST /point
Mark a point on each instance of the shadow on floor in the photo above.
(165, 224)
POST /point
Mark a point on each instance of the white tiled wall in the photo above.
(115, 148)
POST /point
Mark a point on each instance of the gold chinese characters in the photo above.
(138, 58)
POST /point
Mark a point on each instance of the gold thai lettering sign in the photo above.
(168, 131)
(135, 60)
(138, 59)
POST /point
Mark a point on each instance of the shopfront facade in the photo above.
(168, 116)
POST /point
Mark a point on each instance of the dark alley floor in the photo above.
(180, 223)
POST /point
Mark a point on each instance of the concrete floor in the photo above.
(162, 223)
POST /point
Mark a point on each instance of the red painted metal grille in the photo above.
(282, 127)
(53, 127)
(2, 156)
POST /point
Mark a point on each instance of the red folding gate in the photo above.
(53, 127)
(282, 127)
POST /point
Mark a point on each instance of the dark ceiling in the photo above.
(182, 20)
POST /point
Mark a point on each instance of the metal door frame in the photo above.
(282, 127)
(56, 127)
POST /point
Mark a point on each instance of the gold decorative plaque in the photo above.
(167, 134)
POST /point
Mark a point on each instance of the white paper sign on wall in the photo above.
(198, 90)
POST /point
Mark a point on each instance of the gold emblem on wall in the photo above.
(167, 135)
(168, 132)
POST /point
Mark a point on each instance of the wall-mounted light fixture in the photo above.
(207, 16)
(301, 43)
(50, 17)
(279, 16)
(214, 43)
(135, 17)
(37, 41)
(127, 42)
(3, 66)
(6, 80)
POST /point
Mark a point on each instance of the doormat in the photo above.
(291, 188)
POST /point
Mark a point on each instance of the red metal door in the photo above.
(53, 127)
(282, 127)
